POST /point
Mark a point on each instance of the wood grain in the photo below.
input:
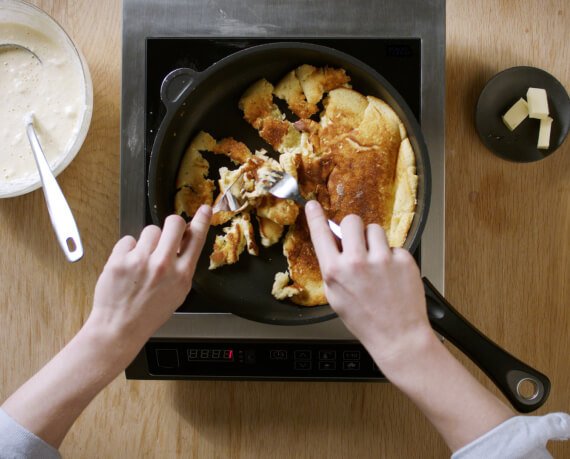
(507, 269)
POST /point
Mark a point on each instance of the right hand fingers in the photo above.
(377, 240)
(323, 239)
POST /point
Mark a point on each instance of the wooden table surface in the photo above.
(507, 268)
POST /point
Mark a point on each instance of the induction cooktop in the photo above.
(203, 340)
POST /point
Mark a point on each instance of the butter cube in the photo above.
(516, 114)
(544, 133)
(537, 103)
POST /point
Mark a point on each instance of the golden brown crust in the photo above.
(257, 103)
(269, 231)
(303, 266)
(316, 81)
(290, 90)
(237, 238)
(274, 131)
(194, 189)
(233, 149)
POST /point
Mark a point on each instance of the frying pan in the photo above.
(208, 101)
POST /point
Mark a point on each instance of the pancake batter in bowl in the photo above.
(54, 90)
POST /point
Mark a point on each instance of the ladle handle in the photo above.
(507, 372)
(58, 208)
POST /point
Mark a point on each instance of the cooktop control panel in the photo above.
(184, 359)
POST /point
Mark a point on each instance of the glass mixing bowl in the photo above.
(25, 14)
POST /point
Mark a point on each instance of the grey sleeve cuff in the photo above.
(16, 442)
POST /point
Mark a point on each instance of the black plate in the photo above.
(500, 93)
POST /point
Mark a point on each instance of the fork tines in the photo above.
(271, 177)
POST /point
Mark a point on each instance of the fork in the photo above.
(283, 185)
(229, 201)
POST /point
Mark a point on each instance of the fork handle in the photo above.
(335, 228)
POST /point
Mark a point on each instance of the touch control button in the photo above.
(327, 365)
(351, 355)
(327, 355)
(350, 365)
(303, 365)
(277, 354)
(303, 355)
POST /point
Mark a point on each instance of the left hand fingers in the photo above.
(148, 240)
(172, 233)
(195, 235)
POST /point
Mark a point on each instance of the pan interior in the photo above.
(212, 105)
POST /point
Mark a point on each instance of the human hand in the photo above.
(144, 281)
(376, 290)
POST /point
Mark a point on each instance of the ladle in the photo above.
(15, 45)
(58, 208)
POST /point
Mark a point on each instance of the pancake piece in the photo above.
(290, 90)
(344, 111)
(280, 211)
(194, 189)
(237, 237)
(316, 81)
(282, 287)
(233, 149)
(362, 178)
(405, 199)
(257, 104)
(269, 231)
(307, 287)
(305, 86)
(279, 134)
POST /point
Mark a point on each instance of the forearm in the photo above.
(458, 406)
(49, 402)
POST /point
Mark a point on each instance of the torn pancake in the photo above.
(194, 189)
(344, 111)
(316, 81)
(237, 238)
(269, 231)
(289, 89)
(237, 151)
(257, 104)
(303, 268)
(282, 287)
(405, 198)
(279, 134)
(280, 211)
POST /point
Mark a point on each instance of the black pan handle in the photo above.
(507, 372)
(175, 84)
